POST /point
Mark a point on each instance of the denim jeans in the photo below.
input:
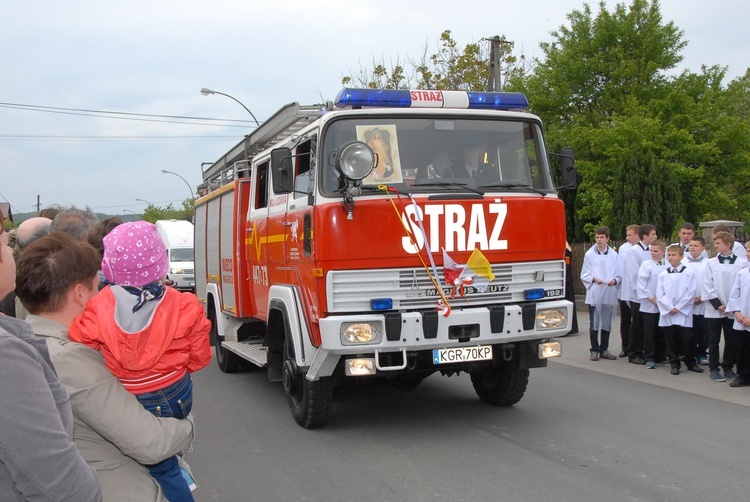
(173, 401)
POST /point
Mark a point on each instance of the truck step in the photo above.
(253, 352)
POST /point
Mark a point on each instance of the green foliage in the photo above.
(153, 213)
(450, 68)
(602, 89)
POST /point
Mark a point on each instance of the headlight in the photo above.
(550, 318)
(175, 271)
(360, 332)
(359, 367)
(550, 349)
(355, 160)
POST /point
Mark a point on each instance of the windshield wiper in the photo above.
(514, 184)
(448, 184)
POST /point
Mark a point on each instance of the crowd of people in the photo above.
(95, 363)
(677, 305)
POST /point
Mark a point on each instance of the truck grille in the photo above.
(411, 289)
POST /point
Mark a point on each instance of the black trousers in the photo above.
(715, 326)
(743, 354)
(678, 341)
(699, 335)
(654, 348)
(635, 334)
(626, 319)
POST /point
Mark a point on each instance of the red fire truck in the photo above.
(391, 234)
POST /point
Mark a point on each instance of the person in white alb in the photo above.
(636, 255)
(675, 294)
(695, 259)
(739, 304)
(599, 275)
(718, 279)
(654, 349)
(626, 315)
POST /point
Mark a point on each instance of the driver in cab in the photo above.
(469, 165)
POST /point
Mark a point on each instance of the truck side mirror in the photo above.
(568, 163)
(282, 174)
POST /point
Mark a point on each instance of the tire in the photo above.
(309, 402)
(503, 385)
(228, 361)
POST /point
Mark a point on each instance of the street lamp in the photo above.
(164, 171)
(144, 200)
(206, 92)
(129, 211)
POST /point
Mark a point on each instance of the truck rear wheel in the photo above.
(502, 385)
(310, 402)
(228, 361)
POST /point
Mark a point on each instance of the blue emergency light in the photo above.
(403, 98)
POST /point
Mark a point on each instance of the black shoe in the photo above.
(697, 369)
(739, 382)
(674, 371)
(623, 354)
(636, 360)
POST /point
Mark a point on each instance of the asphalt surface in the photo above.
(585, 431)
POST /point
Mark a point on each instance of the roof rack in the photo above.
(282, 125)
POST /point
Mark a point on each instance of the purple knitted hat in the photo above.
(134, 255)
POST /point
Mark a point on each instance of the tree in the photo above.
(153, 213)
(450, 67)
(589, 90)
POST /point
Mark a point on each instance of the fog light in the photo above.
(550, 349)
(359, 332)
(551, 318)
(359, 367)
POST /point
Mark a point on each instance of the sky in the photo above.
(152, 58)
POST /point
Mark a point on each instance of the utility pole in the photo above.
(38, 203)
(495, 80)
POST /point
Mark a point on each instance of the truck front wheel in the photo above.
(310, 402)
(501, 385)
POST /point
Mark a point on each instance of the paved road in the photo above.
(585, 431)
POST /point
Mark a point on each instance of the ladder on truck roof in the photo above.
(281, 126)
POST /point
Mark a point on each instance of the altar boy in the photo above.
(675, 295)
(600, 275)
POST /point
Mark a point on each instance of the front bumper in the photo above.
(426, 330)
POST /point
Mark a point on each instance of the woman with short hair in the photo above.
(56, 276)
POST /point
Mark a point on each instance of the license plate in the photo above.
(462, 354)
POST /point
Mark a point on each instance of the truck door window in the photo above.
(261, 186)
(304, 162)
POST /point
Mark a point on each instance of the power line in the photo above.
(47, 137)
(126, 115)
(40, 107)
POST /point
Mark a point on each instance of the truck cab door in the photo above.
(300, 206)
(256, 241)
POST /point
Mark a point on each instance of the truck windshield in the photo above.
(444, 154)
(181, 254)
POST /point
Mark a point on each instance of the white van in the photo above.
(178, 236)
